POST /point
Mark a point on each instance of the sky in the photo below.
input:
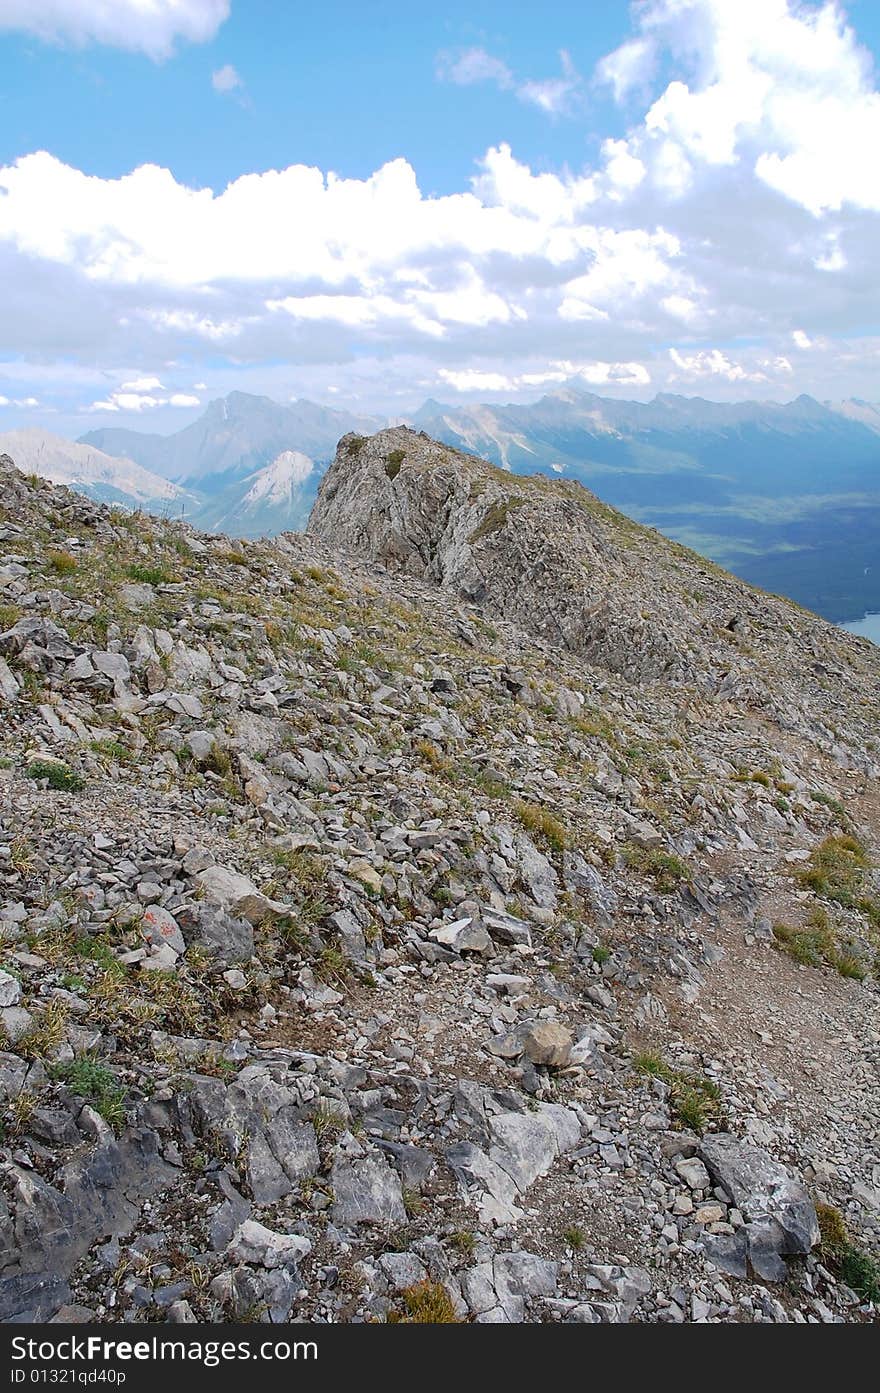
(373, 204)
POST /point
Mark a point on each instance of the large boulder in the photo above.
(780, 1216)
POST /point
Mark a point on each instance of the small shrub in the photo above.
(426, 1303)
(667, 871)
(57, 775)
(837, 870)
(832, 1228)
(111, 749)
(575, 1237)
(538, 820)
(46, 1034)
(861, 1272)
(857, 1268)
(494, 518)
(693, 1098)
(817, 946)
(96, 1082)
(393, 463)
(432, 755)
(61, 562)
(327, 1122)
(464, 1241)
(595, 723)
(149, 575)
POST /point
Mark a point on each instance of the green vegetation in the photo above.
(96, 1082)
(539, 821)
(832, 804)
(817, 945)
(838, 870)
(694, 1099)
(149, 575)
(46, 1034)
(393, 463)
(857, 1268)
(595, 723)
(426, 1303)
(61, 562)
(464, 1241)
(667, 871)
(495, 517)
(111, 749)
(57, 775)
(575, 1237)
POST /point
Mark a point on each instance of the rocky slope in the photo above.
(465, 911)
(104, 477)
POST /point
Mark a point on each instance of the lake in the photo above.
(869, 627)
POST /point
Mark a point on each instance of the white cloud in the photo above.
(226, 80)
(146, 26)
(364, 252)
(472, 380)
(695, 227)
(140, 395)
(142, 384)
(554, 95)
(471, 65)
(711, 363)
(594, 374)
(627, 68)
(777, 84)
(800, 339)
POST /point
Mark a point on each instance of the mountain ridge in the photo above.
(477, 914)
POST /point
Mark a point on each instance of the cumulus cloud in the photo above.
(141, 394)
(557, 372)
(226, 80)
(467, 66)
(695, 228)
(783, 86)
(713, 363)
(145, 26)
(554, 95)
(629, 67)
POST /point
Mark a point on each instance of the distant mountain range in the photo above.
(107, 478)
(785, 495)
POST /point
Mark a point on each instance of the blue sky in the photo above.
(344, 86)
(502, 200)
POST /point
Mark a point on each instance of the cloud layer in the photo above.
(145, 26)
(727, 239)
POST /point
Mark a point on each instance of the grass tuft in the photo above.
(694, 1099)
(426, 1303)
(57, 775)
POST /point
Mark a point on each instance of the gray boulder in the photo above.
(367, 1191)
(780, 1216)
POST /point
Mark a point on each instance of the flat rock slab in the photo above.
(367, 1191)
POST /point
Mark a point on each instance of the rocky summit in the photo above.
(464, 911)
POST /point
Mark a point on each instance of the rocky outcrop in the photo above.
(549, 556)
(359, 943)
